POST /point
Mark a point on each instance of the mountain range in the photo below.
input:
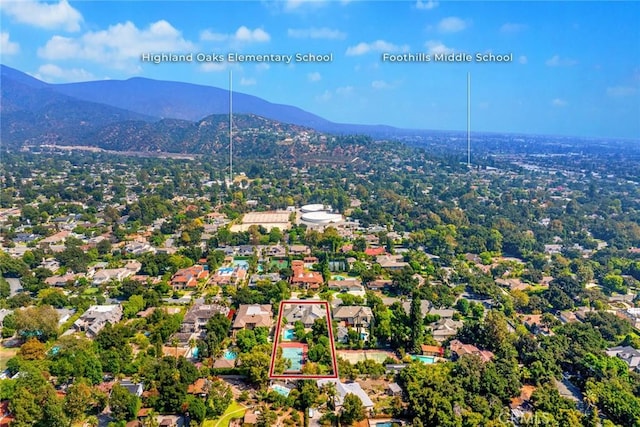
(117, 114)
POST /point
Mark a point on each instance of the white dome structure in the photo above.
(313, 208)
(321, 217)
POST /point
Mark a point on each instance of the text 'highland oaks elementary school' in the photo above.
(234, 57)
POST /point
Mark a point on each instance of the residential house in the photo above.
(342, 389)
(379, 284)
(187, 278)
(355, 316)
(299, 250)
(394, 389)
(60, 280)
(445, 328)
(134, 388)
(533, 322)
(200, 387)
(459, 349)
(391, 262)
(303, 278)
(567, 316)
(432, 350)
(250, 316)
(198, 316)
(305, 313)
(269, 277)
(352, 284)
(5, 414)
(630, 355)
(373, 252)
(309, 261)
(97, 317)
(108, 274)
(633, 315)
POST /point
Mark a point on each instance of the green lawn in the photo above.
(5, 355)
(235, 410)
(91, 291)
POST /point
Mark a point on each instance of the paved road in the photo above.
(15, 285)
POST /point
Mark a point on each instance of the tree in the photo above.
(39, 322)
(124, 405)
(32, 350)
(78, 399)
(415, 322)
(352, 409)
(256, 364)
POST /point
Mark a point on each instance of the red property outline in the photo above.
(276, 342)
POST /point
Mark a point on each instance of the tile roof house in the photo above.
(108, 274)
(307, 314)
(188, 277)
(303, 278)
(342, 389)
(445, 328)
(97, 317)
(391, 262)
(460, 349)
(250, 316)
(630, 355)
(354, 315)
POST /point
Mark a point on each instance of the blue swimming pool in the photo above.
(295, 356)
(225, 270)
(195, 352)
(281, 390)
(241, 263)
(289, 334)
(424, 359)
(230, 355)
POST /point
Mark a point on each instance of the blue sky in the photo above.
(575, 68)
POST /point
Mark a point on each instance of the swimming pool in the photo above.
(241, 263)
(194, 352)
(295, 356)
(281, 390)
(338, 278)
(386, 424)
(223, 271)
(424, 359)
(230, 355)
(289, 334)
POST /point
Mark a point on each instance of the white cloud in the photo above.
(263, 66)
(7, 47)
(436, 46)
(326, 96)
(316, 33)
(511, 27)
(559, 102)
(248, 82)
(50, 16)
(314, 77)
(620, 91)
(344, 90)
(52, 72)
(242, 35)
(557, 61)
(120, 46)
(376, 46)
(452, 24)
(523, 59)
(294, 5)
(381, 84)
(426, 5)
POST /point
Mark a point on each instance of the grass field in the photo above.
(235, 410)
(6, 354)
